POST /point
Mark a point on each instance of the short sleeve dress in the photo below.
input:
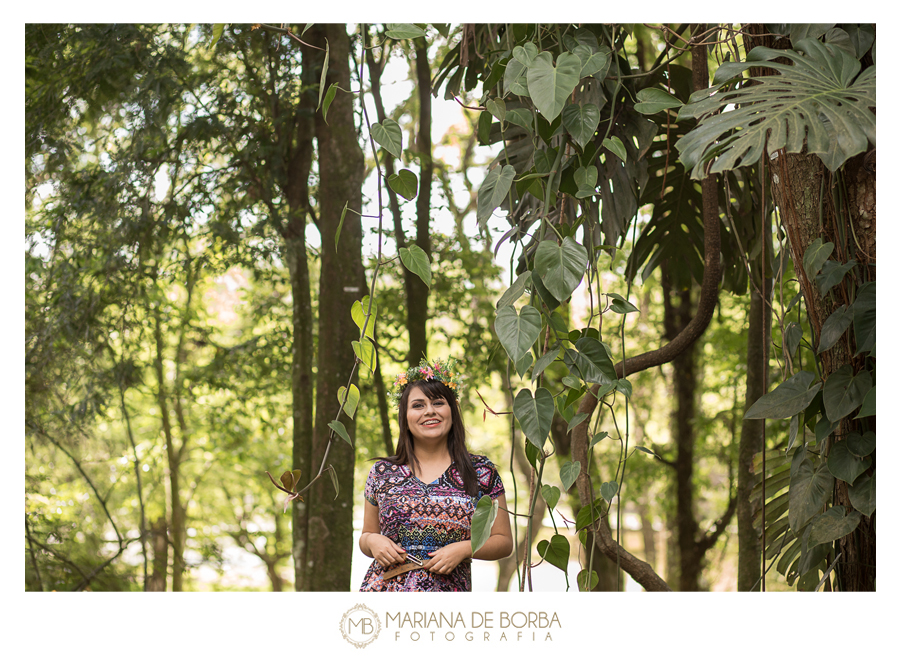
(423, 518)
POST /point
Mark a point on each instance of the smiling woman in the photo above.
(419, 503)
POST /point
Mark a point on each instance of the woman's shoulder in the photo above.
(481, 461)
(385, 466)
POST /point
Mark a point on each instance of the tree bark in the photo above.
(159, 543)
(753, 432)
(341, 170)
(798, 181)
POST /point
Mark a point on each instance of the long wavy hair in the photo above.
(456, 440)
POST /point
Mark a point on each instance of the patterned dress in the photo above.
(423, 518)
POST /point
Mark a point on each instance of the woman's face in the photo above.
(428, 420)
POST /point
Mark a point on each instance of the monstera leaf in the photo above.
(821, 101)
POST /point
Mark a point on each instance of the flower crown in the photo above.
(445, 371)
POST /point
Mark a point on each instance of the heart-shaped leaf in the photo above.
(561, 267)
(832, 525)
(586, 180)
(861, 445)
(550, 86)
(535, 414)
(810, 488)
(358, 312)
(816, 254)
(493, 190)
(832, 274)
(416, 261)
(352, 399)
(589, 514)
(587, 580)
(542, 363)
(834, 327)
(590, 362)
(404, 183)
(608, 490)
(482, 521)
(620, 304)
(522, 116)
(568, 474)
(615, 145)
(862, 494)
(525, 54)
(517, 331)
(388, 135)
(340, 430)
(868, 405)
(597, 438)
(581, 122)
(497, 108)
(844, 465)
(844, 391)
(365, 352)
(555, 551)
(550, 494)
(515, 78)
(790, 398)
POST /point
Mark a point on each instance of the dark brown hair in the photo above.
(456, 440)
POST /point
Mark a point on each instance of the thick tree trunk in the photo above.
(159, 544)
(341, 170)
(798, 181)
(297, 193)
(753, 431)
(684, 383)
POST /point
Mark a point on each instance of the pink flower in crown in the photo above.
(401, 379)
(428, 372)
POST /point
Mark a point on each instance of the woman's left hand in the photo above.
(445, 560)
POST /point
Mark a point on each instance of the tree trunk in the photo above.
(159, 543)
(341, 170)
(296, 256)
(753, 432)
(798, 181)
(176, 509)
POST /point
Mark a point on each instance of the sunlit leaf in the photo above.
(587, 580)
(329, 98)
(352, 399)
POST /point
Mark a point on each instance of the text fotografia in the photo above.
(480, 626)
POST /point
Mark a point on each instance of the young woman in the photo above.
(419, 503)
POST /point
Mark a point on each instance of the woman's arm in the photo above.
(376, 545)
(499, 545)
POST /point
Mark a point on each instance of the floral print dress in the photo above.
(423, 518)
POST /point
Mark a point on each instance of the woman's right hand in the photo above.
(385, 551)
